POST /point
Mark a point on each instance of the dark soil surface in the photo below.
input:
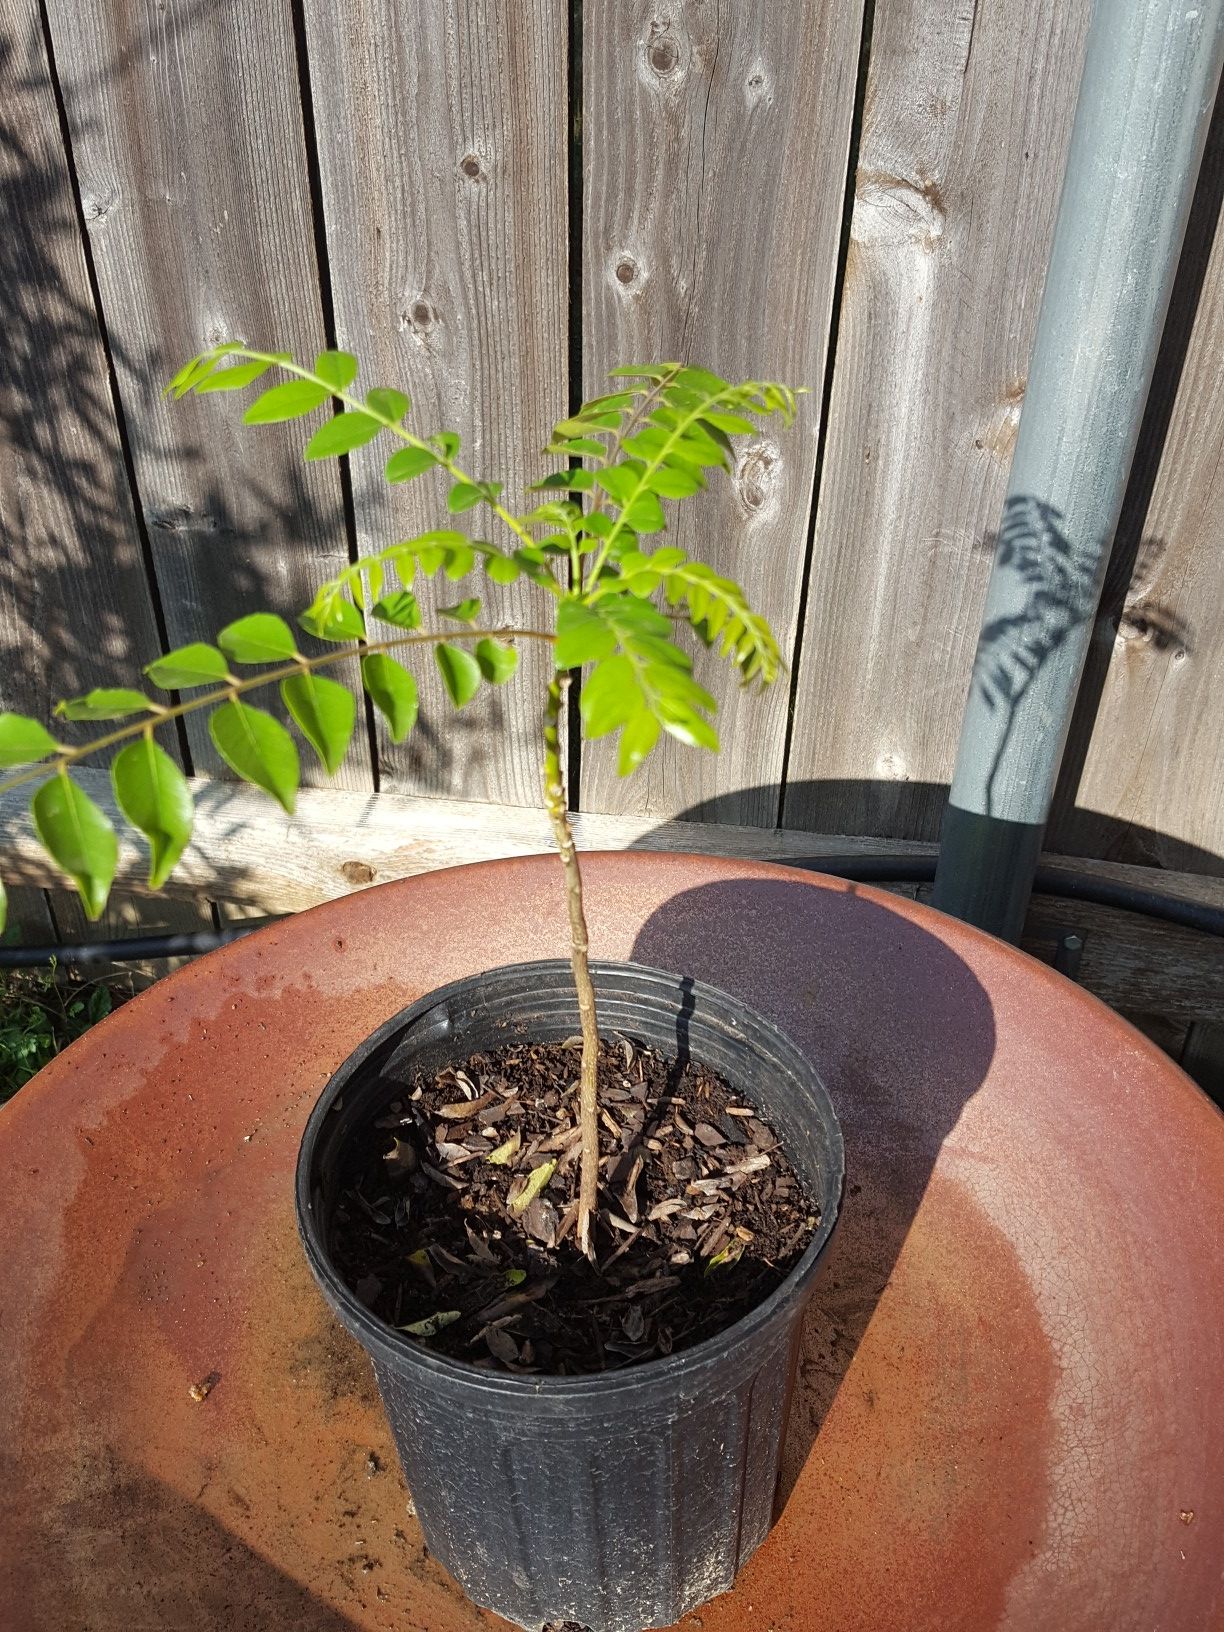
(459, 1225)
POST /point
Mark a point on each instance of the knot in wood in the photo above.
(756, 477)
(891, 210)
(470, 166)
(664, 55)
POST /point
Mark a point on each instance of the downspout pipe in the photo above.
(1150, 79)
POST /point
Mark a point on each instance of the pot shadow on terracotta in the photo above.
(902, 1033)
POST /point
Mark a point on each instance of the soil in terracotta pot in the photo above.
(458, 1222)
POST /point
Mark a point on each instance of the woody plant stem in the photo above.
(556, 805)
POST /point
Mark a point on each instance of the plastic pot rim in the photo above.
(377, 1336)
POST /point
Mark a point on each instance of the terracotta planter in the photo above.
(619, 1501)
(1009, 1411)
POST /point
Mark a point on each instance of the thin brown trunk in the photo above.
(588, 1101)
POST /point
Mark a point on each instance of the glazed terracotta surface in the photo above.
(1010, 1412)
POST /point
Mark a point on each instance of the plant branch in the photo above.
(563, 833)
(235, 687)
(455, 471)
(649, 466)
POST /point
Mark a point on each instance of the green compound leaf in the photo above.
(339, 620)
(155, 797)
(337, 368)
(258, 748)
(78, 837)
(288, 401)
(260, 638)
(198, 664)
(388, 402)
(106, 703)
(341, 435)
(409, 462)
(23, 741)
(325, 713)
(399, 608)
(393, 690)
(497, 661)
(583, 636)
(460, 673)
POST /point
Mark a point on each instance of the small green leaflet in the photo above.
(337, 368)
(78, 837)
(196, 665)
(258, 748)
(497, 661)
(341, 435)
(466, 611)
(515, 1277)
(289, 401)
(388, 402)
(582, 636)
(339, 621)
(106, 703)
(260, 638)
(154, 795)
(502, 569)
(399, 608)
(637, 739)
(432, 1324)
(23, 741)
(462, 496)
(645, 514)
(235, 376)
(611, 696)
(325, 712)
(447, 443)
(538, 1178)
(393, 691)
(409, 462)
(460, 673)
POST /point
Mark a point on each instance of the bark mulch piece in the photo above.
(457, 1224)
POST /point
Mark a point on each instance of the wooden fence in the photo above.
(494, 201)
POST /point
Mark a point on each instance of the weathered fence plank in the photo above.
(967, 115)
(188, 141)
(442, 133)
(75, 603)
(714, 152)
(337, 842)
(74, 600)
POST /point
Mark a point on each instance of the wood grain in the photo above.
(715, 138)
(967, 115)
(29, 921)
(442, 151)
(187, 134)
(75, 608)
(337, 842)
(1149, 784)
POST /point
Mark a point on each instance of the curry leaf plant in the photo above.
(617, 600)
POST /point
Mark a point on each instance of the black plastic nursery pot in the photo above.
(616, 1501)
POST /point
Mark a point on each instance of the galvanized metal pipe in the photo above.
(1150, 80)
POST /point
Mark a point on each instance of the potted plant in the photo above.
(578, 1257)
